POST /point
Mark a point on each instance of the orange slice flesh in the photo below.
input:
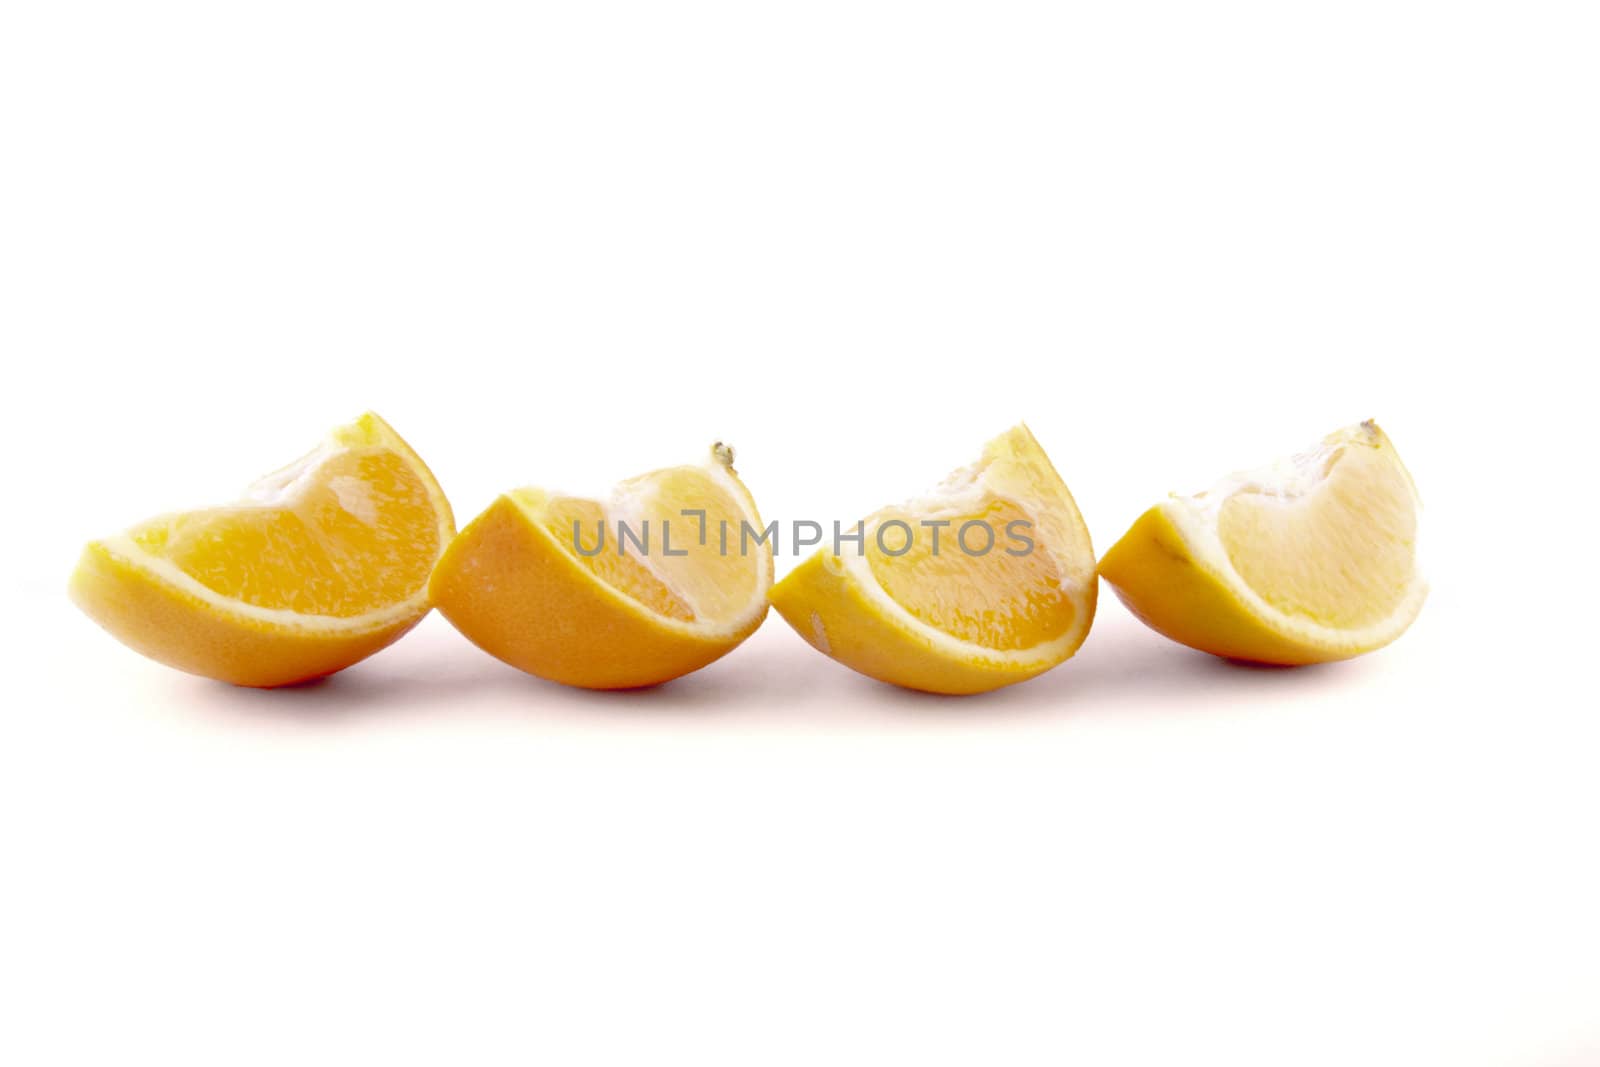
(987, 581)
(996, 600)
(321, 564)
(1307, 560)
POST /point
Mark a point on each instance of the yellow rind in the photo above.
(173, 626)
(830, 609)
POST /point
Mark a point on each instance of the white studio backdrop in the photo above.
(562, 244)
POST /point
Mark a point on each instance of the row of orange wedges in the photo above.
(987, 580)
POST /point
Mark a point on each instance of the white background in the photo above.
(563, 243)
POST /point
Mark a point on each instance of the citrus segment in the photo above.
(615, 594)
(320, 565)
(1004, 598)
(1308, 560)
(987, 581)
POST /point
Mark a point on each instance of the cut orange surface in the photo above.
(1308, 560)
(320, 565)
(987, 581)
(639, 589)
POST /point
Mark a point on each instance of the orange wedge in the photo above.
(987, 581)
(1309, 559)
(321, 565)
(653, 583)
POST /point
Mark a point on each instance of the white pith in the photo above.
(1291, 482)
(287, 484)
(1286, 480)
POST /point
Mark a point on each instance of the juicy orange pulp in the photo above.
(356, 535)
(1003, 598)
(1007, 593)
(319, 566)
